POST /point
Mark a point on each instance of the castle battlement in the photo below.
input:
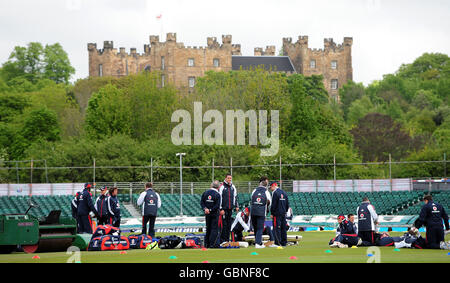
(329, 44)
(179, 63)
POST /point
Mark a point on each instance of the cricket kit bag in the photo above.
(198, 240)
(139, 241)
(108, 243)
(170, 242)
(103, 230)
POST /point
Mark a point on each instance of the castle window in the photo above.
(216, 62)
(191, 81)
(334, 64)
(334, 84)
(163, 63)
(191, 62)
(312, 64)
(100, 70)
(163, 80)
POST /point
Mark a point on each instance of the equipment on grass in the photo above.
(50, 234)
(235, 244)
(108, 243)
(139, 241)
(290, 238)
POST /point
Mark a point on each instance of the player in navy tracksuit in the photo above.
(113, 208)
(411, 239)
(150, 201)
(240, 224)
(74, 206)
(228, 193)
(367, 219)
(260, 200)
(346, 233)
(432, 215)
(278, 210)
(85, 206)
(101, 205)
(210, 204)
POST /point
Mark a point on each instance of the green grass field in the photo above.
(310, 250)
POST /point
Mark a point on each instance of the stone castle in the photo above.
(181, 65)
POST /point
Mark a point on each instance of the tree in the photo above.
(41, 124)
(151, 105)
(348, 93)
(358, 109)
(57, 64)
(377, 135)
(108, 113)
(12, 105)
(25, 62)
(35, 62)
(427, 67)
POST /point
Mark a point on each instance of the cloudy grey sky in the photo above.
(386, 33)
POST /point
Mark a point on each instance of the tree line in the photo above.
(127, 121)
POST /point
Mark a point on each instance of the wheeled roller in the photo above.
(52, 234)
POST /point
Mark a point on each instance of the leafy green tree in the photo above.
(41, 124)
(348, 93)
(84, 88)
(358, 109)
(426, 67)
(34, 62)
(108, 113)
(57, 64)
(151, 105)
(25, 62)
(12, 105)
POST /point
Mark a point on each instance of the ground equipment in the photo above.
(31, 234)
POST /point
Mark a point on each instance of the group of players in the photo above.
(220, 200)
(432, 216)
(106, 208)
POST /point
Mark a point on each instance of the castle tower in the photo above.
(333, 62)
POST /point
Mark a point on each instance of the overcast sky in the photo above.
(385, 33)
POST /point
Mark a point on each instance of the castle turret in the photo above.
(226, 39)
(303, 40)
(348, 41)
(92, 47)
(235, 49)
(328, 43)
(258, 51)
(171, 37)
(154, 39)
(270, 50)
(108, 45)
(212, 42)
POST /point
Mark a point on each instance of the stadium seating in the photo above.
(442, 197)
(19, 204)
(386, 203)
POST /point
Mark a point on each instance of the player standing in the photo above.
(260, 200)
(367, 219)
(228, 193)
(210, 204)
(150, 201)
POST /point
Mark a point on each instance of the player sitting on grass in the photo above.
(346, 235)
(241, 223)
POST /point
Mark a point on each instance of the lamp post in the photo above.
(181, 181)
